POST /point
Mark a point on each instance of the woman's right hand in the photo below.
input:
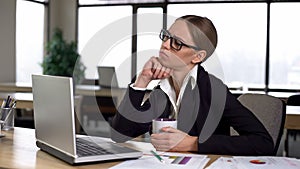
(152, 70)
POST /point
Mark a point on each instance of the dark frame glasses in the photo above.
(175, 43)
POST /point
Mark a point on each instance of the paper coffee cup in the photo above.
(159, 123)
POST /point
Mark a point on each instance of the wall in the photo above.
(7, 40)
(63, 15)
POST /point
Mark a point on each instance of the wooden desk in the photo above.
(88, 90)
(24, 100)
(292, 120)
(18, 90)
(18, 150)
(15, 87)
(84, 90)
(93, 90)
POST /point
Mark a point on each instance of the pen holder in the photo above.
(7, 117)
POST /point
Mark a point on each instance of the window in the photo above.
(104, 36)
(149, 24)
(29, 39)
(284, 46)
(242, 34)
(241, 40)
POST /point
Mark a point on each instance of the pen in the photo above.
(3, 103)
(157, 156)
(7, 101)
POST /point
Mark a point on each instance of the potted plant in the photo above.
(62, 58)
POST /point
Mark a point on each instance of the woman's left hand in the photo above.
(171, 139)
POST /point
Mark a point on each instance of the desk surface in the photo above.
(90, 90)
(22, 93)
(18, 150)
(24, 100)
(16, 87)
(94, 90)
(292, 120)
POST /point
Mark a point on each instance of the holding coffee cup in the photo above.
(159, 123)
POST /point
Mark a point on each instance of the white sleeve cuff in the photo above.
(137, 88)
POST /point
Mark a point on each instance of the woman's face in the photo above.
(182, 58)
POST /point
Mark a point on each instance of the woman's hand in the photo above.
(152, 70)
(172, 139)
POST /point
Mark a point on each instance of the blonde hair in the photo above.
(203, 32)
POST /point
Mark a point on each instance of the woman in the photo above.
(203, 106)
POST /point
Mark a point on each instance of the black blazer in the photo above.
(207, 111)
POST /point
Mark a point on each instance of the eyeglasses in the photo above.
(175, 43)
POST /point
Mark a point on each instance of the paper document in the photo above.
(239, 162)
(224, 163)
(171, 161)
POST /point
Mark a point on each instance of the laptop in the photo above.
(107, 77)
(54, 119)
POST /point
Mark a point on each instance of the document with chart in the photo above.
(169, 161)
(255, 163)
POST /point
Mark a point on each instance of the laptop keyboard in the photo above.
(88, 148)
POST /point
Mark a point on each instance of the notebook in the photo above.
(54, 119)
(107, 77)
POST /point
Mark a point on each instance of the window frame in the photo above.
(164, 5)
(46, 33)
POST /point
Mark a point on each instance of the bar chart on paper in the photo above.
(171, 161)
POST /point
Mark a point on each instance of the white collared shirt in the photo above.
(169, 90)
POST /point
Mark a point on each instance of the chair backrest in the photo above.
(270, 111)
(294, 100)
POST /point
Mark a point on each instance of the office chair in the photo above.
(294, 100)
(271, 111)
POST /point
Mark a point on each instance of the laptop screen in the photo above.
(53, 111)
(107, 77)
